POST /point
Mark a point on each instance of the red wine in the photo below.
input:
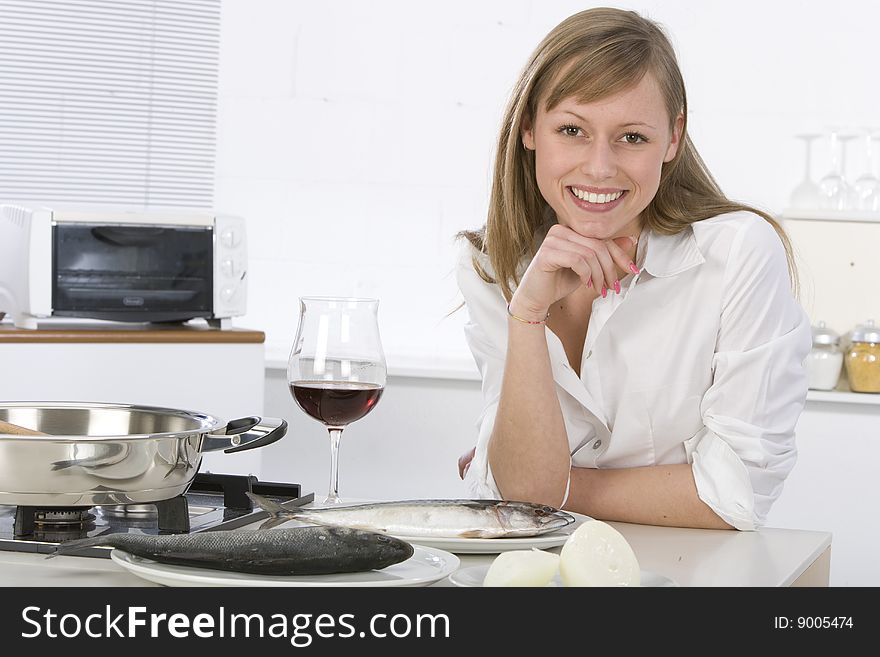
(336, 403)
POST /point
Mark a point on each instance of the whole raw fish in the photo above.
(430, 518)
(299, 551)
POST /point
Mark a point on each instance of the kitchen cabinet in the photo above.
(836, 257)
(833, 486)
(191, 367)
(838, 434)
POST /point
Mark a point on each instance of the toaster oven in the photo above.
(123, 266)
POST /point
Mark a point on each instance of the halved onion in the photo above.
(522, 568)
(596, 554)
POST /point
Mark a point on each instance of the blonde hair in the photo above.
(589, 56)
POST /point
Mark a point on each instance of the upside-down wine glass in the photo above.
(866, 189)
(336, 371)
(834, 190)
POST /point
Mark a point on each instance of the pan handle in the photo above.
(246, 433)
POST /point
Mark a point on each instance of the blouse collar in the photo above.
(667, 255)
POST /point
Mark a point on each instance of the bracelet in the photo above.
(527, 321)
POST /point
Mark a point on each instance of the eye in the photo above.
(569, 130)
(635, 138)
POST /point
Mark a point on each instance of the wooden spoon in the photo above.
(16, 430)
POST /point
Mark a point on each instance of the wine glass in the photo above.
(834, 190)
(336, 371)
(867, 186)
(806, 195)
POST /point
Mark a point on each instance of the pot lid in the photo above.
(824, 335)
(866, 332)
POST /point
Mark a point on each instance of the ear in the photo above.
(676, 138)
(527, 134)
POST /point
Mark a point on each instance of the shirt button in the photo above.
(597, 444)
(589, 353)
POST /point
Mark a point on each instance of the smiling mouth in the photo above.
(597, 199)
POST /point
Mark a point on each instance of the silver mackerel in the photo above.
(299, 551)
(430, 518)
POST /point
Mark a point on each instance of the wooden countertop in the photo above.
(129, 333)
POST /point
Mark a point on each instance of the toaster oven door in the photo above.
(135, 273)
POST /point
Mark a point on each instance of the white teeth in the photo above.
(596, 198)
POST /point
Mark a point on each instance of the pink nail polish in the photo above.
(633, 268)
(617, 287)
(604, 291)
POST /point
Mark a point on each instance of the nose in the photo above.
(599, 161)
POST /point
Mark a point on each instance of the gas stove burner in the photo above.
(57, 525)
(29, 520)
(75, 518)
(61, 534)
(213, 501)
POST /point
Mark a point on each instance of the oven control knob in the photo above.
(230, 238)
(228, 267)
(227, 293)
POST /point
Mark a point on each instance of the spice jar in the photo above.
(863, 358)
(825, 359)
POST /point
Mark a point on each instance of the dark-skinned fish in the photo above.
(298, 551)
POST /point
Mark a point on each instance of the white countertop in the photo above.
(706, 557)
(691, 557)
(462, 368)
(423, 366)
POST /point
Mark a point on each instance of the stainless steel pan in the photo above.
(98, 454)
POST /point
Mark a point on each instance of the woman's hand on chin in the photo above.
(566, 260)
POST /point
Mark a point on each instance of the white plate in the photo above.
(496, 545)
(424, 567)
(474, 576)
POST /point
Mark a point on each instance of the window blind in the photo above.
(109, 101)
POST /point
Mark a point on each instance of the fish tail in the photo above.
(272, 508)
(278, 515)
(68, 547)
(273, 522)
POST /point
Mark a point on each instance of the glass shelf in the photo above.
(843, 395)
(855, 216)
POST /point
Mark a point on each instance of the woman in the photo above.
(640, 346)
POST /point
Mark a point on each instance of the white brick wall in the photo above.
(357, 137)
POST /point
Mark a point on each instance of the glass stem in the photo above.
(333, 495)
(807, 160)
(835, 154)
(872, 157)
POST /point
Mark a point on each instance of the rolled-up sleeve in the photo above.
(486, 317)
(741, 457)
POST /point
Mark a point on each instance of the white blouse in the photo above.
(698, 360)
